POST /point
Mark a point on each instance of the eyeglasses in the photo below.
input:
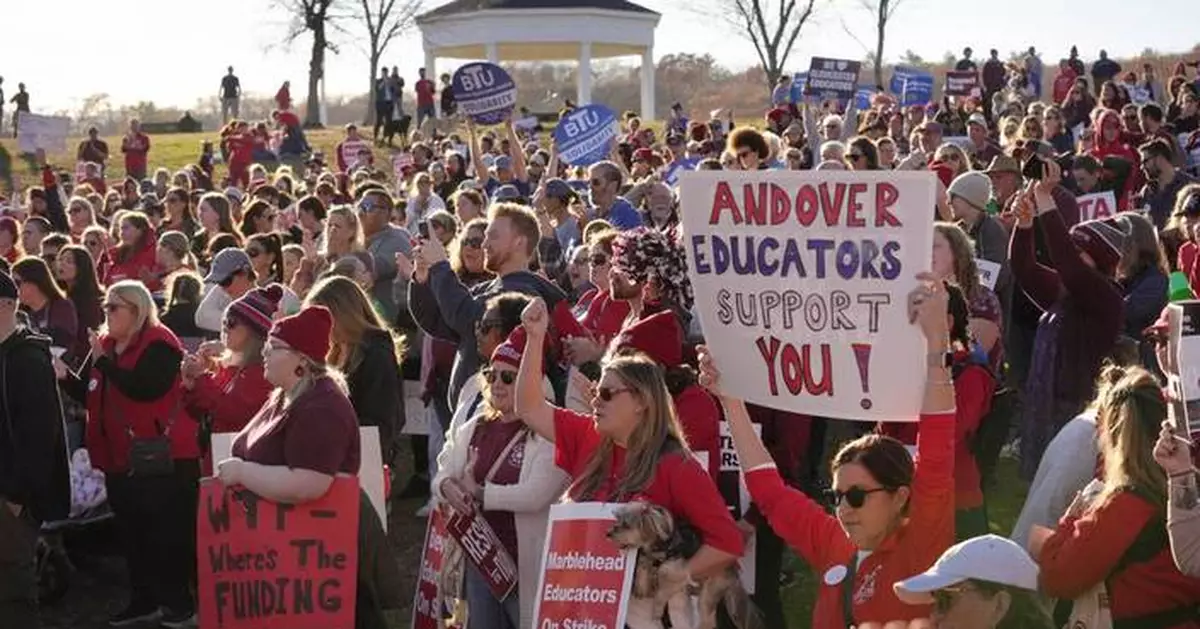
(743, 154)
(945, 598)
(472, 242)
(606, 394)
(254, 252)
(75, 209)
(368, 206)
(484, 326)
(230, 323)
(598, 260)
(855, 156)
(112, 306)
(507, 377)
(855, 496)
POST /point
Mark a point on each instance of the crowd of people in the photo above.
(543, 315)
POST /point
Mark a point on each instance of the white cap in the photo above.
(985, 558)
(977, 118)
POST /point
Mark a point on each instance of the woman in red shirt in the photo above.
(136, 257)
(893, 518)
(631, 448)
(1120, 539)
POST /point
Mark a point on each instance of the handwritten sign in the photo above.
(265, 565)
(989, 272)
(961, 82)
(485, 92)
(482, 546)
(585, 135)
(428, 600)
(48, 133)
(801, 282)
(833, 79)
(585, 578)
(1096, 205)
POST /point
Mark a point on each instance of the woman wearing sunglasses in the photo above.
(893, 518)
(629, 448)
(466, 254)
(496, 464)
(986, 582)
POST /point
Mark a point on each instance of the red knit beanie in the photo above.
(660, 336)
(257, 307)
(509, 352)
(307, 332)
(1103, 240)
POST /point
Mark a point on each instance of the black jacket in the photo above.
(34, 470)
(376, 388)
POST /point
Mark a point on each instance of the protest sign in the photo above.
(48, 133)
(585, 578)
(428, 599)
(832, 79)
(801, 282)
(485, 92)
(917, 90)
(731, 481)
(799, 82)
(671, 177)
(1097, 205)
(989, 272)
(585, 136)
(371, 471)
(266, 565)
(862, 98)
(483, 548)
(1183, 342)
(901, 74)
(961, 82)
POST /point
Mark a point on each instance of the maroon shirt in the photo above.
(317, 432)
(489, 441)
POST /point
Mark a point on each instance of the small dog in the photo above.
(663, 551)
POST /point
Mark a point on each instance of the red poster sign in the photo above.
(427, 600)
(483, 548)
(264, 565)
(585, 577)
(961, 82)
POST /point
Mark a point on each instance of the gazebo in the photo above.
(544, 30)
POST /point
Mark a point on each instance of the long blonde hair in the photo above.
(1130, 412)
(655, 434)
(353, 318)
(352, 223)
(137, 296)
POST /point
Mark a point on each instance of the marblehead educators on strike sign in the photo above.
(800, 281)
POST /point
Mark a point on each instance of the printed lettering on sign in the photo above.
(485, 92)
(585, 578)
(427, 597)
(484, 549)
(585, 136)
(266, 565)
(833, 79)
(801, 282)
(1097, 205)
(989, 272)
(961, 82)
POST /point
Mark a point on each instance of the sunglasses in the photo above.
(606, 394)
(484, 326)
(507, 377)
(113, 306)
(598, 260)
(254, 252)
(855, 496)
(855, 156)
(473, 242)
(945, 598)
(368, 206)
(75, 209)
(744, 154)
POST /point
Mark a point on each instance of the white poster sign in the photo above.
(370, 471)
(801, 282)
(989, 272)
(48, 133)
(586, 578)
(1096, 205)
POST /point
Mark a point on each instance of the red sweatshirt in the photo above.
(1086, 550)
(1187, 264)
(700, 419)
(132, 268)
(230, 398)
(605, 316)
(1134, 182)
(818, 537)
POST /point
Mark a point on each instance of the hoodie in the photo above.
(1104, 150)
(34, 471)
(132, 267)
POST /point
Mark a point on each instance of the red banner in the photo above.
(428, 599)
(265, 565)
(961, 82)
(484, 549)
(585, 577)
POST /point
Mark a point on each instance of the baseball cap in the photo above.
(558, 189)
(977, 118)
(930, 126)
(507, 192)
(235, 194)
(1003, 164)
(503, 162)
(225, 264)
(988, 558)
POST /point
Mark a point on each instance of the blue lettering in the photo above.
(702, 267)
(891, 262)
(847, 259)
(792, 258)
(821, 246)
(870, 251)
(767, 267)
(720, 255)
(743, 264)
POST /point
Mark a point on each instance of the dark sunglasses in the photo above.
(230, 323)
(507, 377)
(75, 209)
(598, 260)
(484, 326)
(855, 496)
(254, 252)
(744, 154)
(91, 244)
(855, 156)
(606, 394)
(112, 307)
(473, 242)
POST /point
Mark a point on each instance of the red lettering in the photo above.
(853, 208)
(781, 204)
(806, 205)
(792, 368)
(886, 196)
(723, 200)
(831, 208)
(796, 366)
(756, 203)
(768, 354)
(826, 385)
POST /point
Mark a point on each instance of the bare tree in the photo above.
(384, 20)
(882, 11)
(772, 26)
(315, 17)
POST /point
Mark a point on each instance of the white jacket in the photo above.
(541, 484)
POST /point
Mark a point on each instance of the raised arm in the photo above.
(518, 152)
(530, 404)
(481, 171)
(1039, 282)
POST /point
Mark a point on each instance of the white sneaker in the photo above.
(423, 512)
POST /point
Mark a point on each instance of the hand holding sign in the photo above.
(928, 307)
(229, 471)
(1172, 452)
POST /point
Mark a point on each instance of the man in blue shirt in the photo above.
(605, 180)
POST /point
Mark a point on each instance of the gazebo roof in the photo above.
(469, 6)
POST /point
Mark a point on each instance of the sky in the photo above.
(174, 52)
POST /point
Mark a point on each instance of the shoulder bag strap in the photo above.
(848, 593)
(512, 443)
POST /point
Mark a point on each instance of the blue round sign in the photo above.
(485, 92)
(584, 136)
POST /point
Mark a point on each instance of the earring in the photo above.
(299, 372)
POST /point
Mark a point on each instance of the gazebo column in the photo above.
(493, 52)
(648, 83)
(584, 96)
(430, 63)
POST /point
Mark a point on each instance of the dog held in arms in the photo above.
(663, 549)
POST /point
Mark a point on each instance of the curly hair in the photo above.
(649, 255)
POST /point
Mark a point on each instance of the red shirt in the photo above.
(318, 431)
(1063, 82)
(289, 119)
(135, 149)
(605, 316)
(241, 148)
(679, 484)
(425, 93)
(819, 538)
